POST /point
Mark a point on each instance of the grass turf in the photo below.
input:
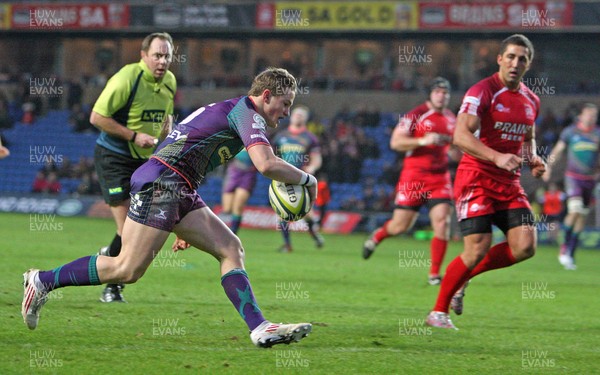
(367, 315)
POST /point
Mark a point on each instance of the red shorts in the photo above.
(477, 194)
(414, 189)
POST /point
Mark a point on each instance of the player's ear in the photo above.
(266, 95)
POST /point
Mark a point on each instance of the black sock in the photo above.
(115, 246)
(311, 226)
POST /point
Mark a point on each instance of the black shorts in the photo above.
(505, 220)
(114, 172)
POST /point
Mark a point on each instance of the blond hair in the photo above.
(277, 80)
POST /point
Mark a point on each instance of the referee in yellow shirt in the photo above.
(133, 112)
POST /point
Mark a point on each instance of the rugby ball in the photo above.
(290, 202)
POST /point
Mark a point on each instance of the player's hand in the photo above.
(179, 244)
(508, 162)
(4, 152)
(538, 167)
(434, 139)
(144, 140)
(312, 191)
(547, 174)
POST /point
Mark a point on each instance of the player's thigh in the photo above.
(240, 198)
(140, 244)
(202, 229)
(227, 202)
(576, 205)
(439, 215)
(402, 220)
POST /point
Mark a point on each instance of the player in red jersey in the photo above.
(495, 130)
(425, 134)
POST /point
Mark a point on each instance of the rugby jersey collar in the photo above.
(148, 76)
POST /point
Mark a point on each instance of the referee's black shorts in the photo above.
(114, 172)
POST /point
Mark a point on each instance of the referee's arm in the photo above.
(114, 129)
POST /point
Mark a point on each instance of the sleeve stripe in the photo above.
(468, 108)
(257, 143)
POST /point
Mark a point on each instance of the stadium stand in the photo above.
(50, 139)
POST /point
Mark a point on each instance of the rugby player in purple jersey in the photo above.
(164, 200)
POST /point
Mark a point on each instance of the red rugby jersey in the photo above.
(506, 116)
(420, 121)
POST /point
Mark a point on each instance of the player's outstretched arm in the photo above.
(402, 141)
(275, 168)
(315, 161)
(554, 156)
(464, 138)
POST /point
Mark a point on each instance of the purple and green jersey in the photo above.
(209, 137)
(295, 148)
(243, 162)
(583, 150)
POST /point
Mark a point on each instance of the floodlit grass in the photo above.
(368, 316)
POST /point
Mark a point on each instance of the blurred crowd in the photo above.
(345, 143)
(47, 179)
